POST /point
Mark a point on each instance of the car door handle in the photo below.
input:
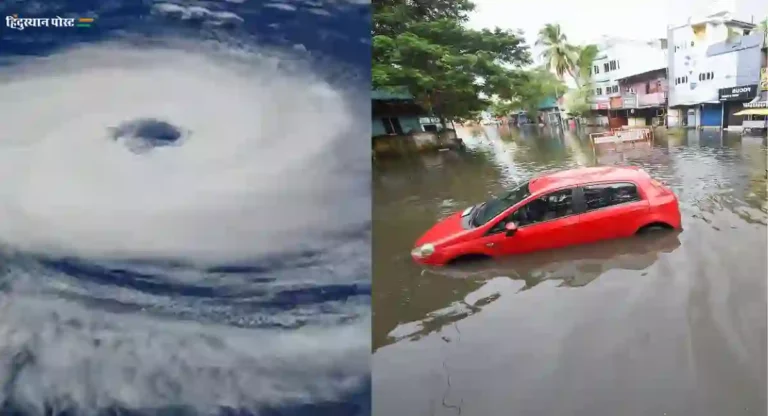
(489, 244)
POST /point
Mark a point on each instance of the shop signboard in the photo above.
(756, 104)
(742, 93)
(629, 100)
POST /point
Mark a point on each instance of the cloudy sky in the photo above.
(586, 20)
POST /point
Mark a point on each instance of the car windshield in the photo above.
(490, 209)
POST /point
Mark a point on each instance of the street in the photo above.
(672, 325)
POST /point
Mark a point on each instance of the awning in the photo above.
(753, 112)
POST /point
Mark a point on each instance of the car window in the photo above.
(606, 195)
(490, 209)
(548, 207)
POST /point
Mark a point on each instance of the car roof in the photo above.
(574, 177)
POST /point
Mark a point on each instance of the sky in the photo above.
(585, 21)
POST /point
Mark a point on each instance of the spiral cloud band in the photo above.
(132, 180)
(267, 159)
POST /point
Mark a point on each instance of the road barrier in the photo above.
(616, 140)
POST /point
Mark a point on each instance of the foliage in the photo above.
(577, 101)
(559, 55)
(585, 58)
(424, 47)
(391, 17)
(763, 26)
(537, 85)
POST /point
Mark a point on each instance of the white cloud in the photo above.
(272, 159)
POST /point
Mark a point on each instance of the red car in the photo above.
(553, 210)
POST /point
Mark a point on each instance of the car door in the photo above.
(611, 210)
(543, 223)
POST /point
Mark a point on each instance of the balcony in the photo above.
(651, 100)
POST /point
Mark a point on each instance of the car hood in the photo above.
(444, 231)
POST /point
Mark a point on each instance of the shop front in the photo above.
(600, 110)
(755, 114)
(616, 117)
(734, 102)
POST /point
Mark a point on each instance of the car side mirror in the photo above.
(511, 228)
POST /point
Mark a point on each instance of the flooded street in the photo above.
(665, 325)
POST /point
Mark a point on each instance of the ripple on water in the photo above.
(641, 326)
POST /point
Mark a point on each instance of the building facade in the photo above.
(644, 97)
(618, 64)
(713, 67)
(396, 114)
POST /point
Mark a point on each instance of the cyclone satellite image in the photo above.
(185, 208)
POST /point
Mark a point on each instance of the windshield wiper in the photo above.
(474, 214)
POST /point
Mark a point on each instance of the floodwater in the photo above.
(667, 325)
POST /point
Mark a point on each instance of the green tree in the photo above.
(391, 17)
(585, 58)
(536, 86)
(450, 69)
(763, 27)
(559, 55)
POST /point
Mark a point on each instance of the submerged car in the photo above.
(554, 210)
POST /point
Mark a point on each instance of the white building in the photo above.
(618, 59)
(706, 55)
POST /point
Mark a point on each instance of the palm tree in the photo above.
(584, 61)
(558, 54)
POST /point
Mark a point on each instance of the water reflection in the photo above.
(573, 267)
(674, 325)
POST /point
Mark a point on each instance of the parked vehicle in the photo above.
(554, 210)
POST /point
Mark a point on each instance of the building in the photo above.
(622, 60)
(755, 112)
(397, 114)
(644, 97)
(549, 111)
(713, 69)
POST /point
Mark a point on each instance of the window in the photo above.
(647, 87)
(596, 69)
(602, 196)
(490, 209)
(392, 125)
(549, 207)
(615, 88)
(617, 65)
(599, 91)
(613, 65)
(606, 67)
(691, 43)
